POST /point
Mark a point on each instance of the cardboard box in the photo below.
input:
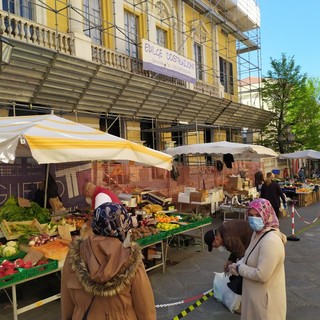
(197, 197)
(141, 195)
(153, 253)
(158, 198)
(235, 183)
(183, 197)
(128, 199)
(188, 190)
(282, 212)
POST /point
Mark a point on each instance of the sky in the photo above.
(291, 27)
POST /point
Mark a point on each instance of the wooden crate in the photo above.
(305, 199)
(14, 229)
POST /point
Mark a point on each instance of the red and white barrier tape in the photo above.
(182, 301)
(303, 220)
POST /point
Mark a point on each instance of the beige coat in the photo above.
(102, 268)
(264, 288)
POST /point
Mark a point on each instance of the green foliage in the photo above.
(285, 91)
(11, 211)
(306, 118)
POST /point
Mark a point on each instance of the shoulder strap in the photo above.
(257, 243)
(85, 316)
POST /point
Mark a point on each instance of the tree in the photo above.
(306, 117)
(284, 90)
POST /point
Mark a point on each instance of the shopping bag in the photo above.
(224, 294)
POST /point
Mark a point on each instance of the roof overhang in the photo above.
(43, 77)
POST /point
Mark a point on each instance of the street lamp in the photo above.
(5, 52)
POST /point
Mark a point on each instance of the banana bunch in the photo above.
(152, 208)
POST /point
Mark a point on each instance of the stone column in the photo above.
(82, 43)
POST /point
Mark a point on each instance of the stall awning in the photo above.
(42, 77)
(52, 139)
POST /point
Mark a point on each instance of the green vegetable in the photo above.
(14, 244)
(9, 251)
(11, 211)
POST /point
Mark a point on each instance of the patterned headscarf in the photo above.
(111, 220)
(266, 212)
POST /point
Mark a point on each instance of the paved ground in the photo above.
(190, 272)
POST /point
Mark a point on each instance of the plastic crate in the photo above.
(44, 268)
(20, 254)
(152, 239)
(12, 278)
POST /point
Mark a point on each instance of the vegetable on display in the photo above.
(11, 211)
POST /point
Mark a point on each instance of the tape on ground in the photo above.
(193, 306)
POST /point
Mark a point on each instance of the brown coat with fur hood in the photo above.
(115, 276)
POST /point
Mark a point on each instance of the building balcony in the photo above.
(45, 71)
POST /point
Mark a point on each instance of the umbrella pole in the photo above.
(46, 186)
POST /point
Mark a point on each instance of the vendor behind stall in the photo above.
(98, 195)
(302, 175)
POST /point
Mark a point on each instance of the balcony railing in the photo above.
(31, 32)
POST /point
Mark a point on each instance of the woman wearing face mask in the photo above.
(262, 267)
(233, 236)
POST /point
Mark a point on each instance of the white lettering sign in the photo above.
(164, 61)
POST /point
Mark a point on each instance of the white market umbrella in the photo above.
(304, 154)
(52, 139)
(240, 151)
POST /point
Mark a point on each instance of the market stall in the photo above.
(235, 187)
(50, 139)
(304, 192)
(305, 155)
(240, 151)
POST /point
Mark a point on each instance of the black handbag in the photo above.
(235, 283)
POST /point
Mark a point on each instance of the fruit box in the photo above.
(12, 278)
(43, 268)
(18, 255)
(14, 229)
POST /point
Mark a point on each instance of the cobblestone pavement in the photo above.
(190, 273)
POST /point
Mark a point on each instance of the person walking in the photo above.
(271, 191)
(262, 267)
(103, 276)
(233, 236)
(258, 180)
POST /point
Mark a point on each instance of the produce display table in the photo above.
(196, 204)
(16, 310)
(232, 211)
(165, 237)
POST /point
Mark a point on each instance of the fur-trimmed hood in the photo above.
(103, 266)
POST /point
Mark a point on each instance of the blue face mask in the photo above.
(256, 223)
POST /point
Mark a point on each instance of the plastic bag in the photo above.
(223, 293)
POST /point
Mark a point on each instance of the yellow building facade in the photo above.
(84, 60)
